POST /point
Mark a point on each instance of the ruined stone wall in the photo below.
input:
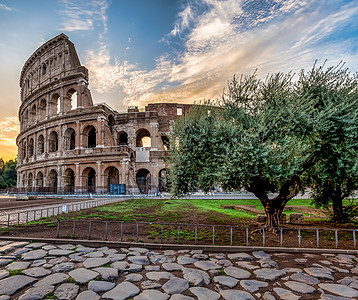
(69, 145)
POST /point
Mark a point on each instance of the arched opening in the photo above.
(31, 147)
(42, 109)
(90, 132)
(71, 100)
(112, 175)
(55, 104)
(123, 139)
(143, 138)
(70, 139)
(69, 181)
(43, 69)
(24, 150)
(24, 181)
(166, 142)
(52, 180)
(40, 144)
(163, 181)
(143, 180)
(33, 114)
(89, 175)
(53, 142)
(111, 122)
(25, 118)
(30, 182)
(40, 180)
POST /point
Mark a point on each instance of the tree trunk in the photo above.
(274, 207)
(337, 204)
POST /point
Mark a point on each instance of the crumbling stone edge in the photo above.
(211, 248)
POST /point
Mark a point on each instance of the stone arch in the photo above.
(89, 179)
(30, 180)
(111, 122)
(53, 181)
(24, 181)
(166, 142)
(70, 139)
(143, 179)
(53, 142)
(55, 104)
(42, 109)
(33, 114)
(122, 138)
(71, 99)
(90, 133)
(112, 176)
(163, 181)
(143, 138)
(69, 180)
(40, 144)
(25, 118)
(24, 150)
(40, 180)
(31, 147)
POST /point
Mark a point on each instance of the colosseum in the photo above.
(68, 144)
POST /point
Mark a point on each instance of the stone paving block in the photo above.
(52, 279)
(204, 293)
(151, 294)
(175, 286)
(66, 291)
(11, 285)
(37, 292)
(88, 295)
(82, 275)
(100, 286)
(122, 291)
(236, 295)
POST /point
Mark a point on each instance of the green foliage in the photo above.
(273, 135)
(8, 175)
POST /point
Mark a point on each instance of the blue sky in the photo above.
(140, 51)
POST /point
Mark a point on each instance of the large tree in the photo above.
(264, 138)
(327, 122)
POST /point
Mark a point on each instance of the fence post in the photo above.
(41, 213)
(137, 232)
(317, 233)
(281, 237)
(230, 235)
(354, 239)
(178, 233)
(263, 237)
(247, 236)
(196, 234)
(34, 214)
(27, 216)
(89, 229)
(58, 229)
(336, 235)
(161, 235)
(121, 231)
(106, 230)
(74, 228)
(213, 235)
(299, 237)
(8, 220)
(18, 218)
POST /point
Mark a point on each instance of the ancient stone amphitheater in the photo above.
(68, 144)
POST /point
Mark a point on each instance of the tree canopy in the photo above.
(274, 135)
(8, 175)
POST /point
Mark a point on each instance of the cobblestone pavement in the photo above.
(46, 271)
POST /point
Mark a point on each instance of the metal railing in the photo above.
(207, 234)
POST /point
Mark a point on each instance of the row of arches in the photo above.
(47, 108)
(69, 139)
(89, 180)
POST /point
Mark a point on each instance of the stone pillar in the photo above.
(60, 140)
(100, 132)
(48, 106)
(77, 136)
(78, 187)
(99, 178)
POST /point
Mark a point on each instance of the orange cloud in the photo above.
(9, 129)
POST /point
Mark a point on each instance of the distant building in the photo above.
(67, 144)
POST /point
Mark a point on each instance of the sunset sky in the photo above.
(140, 51)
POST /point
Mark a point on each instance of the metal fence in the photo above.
(21, 217)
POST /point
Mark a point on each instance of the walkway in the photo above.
(40, 270)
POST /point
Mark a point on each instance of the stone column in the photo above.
(99, 178)
(78, 187)
(77, 136)
(48, 106)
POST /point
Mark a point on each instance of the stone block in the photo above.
(296, 219)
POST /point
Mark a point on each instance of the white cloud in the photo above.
(4, 7)
(228, 37)
(83, 15)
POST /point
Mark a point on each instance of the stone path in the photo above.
(45, 271)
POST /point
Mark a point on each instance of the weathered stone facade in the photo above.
(68, 144)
